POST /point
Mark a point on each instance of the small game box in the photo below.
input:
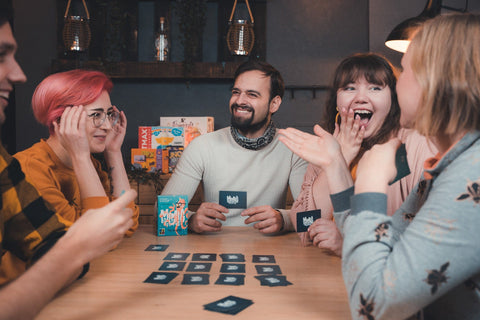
(172, 219)
(144, 159)
(194, 126)
(160, 137)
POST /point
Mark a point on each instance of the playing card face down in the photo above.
(161, 277)
(229, 305)
(204, 257)
(199, 267)
(176, 256)
(195, 278)
(273, 280)
(232, 268)
(232, 257)
(263, 258)
(231, 279)
(172, 266)
(268, 269)
(306, 218)
(157, 247)
(233, 199)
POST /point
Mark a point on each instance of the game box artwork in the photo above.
(172, 217)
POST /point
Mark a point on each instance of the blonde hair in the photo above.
(445, 60)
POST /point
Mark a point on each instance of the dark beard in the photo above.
(245, 126)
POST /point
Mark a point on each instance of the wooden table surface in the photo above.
(114, 287)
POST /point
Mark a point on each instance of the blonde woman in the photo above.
(423, 261)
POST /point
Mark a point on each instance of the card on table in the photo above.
(232, 268)
(231, 279)
(229, 305)
(197, 278)
(176, 256)
(306, 218)
(157, 247)
(233, 199)
(161, 277)
(268, 269)
(204, 257)
(172, 266)
(232, 257)
(273, 280)
(199, 267)
(401, 163)
(263, 258)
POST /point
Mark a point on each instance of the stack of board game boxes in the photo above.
(160, 147)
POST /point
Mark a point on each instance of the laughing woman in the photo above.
(75, 106)
(361, 111)
(425, 259)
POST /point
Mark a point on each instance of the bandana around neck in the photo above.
(256, 143)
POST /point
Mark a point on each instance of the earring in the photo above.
(336, 117)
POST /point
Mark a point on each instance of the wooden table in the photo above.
(114, 287)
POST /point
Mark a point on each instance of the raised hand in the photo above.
(377, 167)
(71, 131)
(116, 135)
(320, 149)
(349, 134)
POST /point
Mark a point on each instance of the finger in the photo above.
(337, 130)
(350, 118)
(319, 131)
(124, 200)
(214, 214)
(214, 206)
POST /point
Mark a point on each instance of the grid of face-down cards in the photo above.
(196, 267)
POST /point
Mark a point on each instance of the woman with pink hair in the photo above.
(76, 107)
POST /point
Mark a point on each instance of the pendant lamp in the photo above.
(399, 38)
(240, 35)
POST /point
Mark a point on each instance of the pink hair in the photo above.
(64, 89)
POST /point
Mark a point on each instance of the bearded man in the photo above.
(244, 168)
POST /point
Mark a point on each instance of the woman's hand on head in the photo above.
(71, 130)
(349, 134)
(117, 133)
(377, 167)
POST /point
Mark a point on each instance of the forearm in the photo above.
(118, 174)
(87, 178)
(338, 176)
(26, 296)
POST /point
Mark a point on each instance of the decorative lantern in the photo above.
(240, 35)
(76, 31)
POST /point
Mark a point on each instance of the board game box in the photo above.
(160, 137)
(172, 217)
(194, 126)
(144, 159)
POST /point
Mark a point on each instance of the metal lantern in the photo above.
(240, 35)
(76, 31)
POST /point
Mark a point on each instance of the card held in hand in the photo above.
(306, 218)
(401, 163)
(233, 199)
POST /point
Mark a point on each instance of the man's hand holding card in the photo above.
(205, 219)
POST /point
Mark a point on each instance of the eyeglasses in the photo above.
(99, 117)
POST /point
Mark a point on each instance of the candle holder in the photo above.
(240, 34)
(76, 30)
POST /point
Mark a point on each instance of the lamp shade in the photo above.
(399, 38)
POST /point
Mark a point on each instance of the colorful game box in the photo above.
(144, 158)
(160, 137)
(194, 126)
(172, 217)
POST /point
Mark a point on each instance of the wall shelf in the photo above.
(151, 70)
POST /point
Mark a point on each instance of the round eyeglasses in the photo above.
(99, 117)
